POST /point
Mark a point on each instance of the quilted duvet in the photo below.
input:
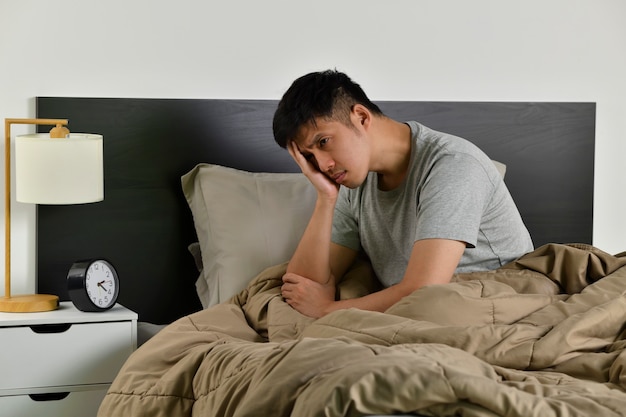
(542, 336)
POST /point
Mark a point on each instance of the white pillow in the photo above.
(245, 222)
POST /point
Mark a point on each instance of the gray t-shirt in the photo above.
(452, 191)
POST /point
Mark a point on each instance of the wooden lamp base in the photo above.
(29, 303)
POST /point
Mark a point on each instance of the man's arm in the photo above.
(316, 257)
(433, 261)
(312, 298)
(312, 257)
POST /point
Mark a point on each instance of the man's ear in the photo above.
(361, 116)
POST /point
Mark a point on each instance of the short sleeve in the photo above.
(345, 229)
(453, 199)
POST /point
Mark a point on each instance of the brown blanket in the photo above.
(542, 336)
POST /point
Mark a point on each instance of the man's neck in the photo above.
(392, 153)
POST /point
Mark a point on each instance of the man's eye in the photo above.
(323, 142)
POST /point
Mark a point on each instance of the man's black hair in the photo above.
(328, 94)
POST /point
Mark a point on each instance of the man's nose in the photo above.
(326, 164)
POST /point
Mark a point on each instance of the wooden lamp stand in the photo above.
(30, 302)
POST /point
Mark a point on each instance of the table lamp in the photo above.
(56, 168)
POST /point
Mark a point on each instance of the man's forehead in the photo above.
(306, 133)
(310, 132)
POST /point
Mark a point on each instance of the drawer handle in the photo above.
(51, 328)
(50, 396)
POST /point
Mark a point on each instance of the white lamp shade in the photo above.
(59, 171)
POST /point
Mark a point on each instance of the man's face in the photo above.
(337, 150)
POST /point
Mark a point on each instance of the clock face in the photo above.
(101, 284)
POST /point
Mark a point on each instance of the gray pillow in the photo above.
(245, 222)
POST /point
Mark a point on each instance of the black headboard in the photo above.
(144, 225)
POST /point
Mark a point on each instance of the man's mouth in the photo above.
(339, 177)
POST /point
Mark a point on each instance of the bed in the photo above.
(202, 210)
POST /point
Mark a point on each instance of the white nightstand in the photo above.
(61, 363)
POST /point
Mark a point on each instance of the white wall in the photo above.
(560, 50)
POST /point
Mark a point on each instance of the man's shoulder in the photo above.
(441, 141)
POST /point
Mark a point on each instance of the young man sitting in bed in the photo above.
(420, 203)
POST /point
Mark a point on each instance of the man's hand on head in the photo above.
(324, 185)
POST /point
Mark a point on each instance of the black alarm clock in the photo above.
(93, 285)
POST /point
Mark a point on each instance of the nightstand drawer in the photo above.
(64, 354)
(72, 404)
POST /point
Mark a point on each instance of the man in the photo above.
(421, 204)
